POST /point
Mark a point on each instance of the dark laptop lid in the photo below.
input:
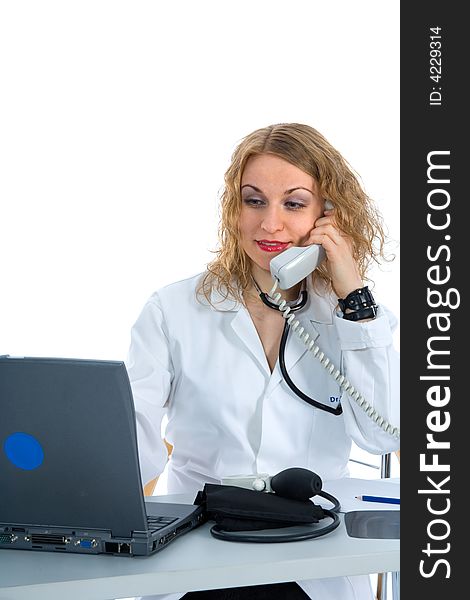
(68, 445)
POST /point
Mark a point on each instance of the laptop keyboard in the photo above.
(156, 523)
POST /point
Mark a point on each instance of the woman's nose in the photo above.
(272, 220)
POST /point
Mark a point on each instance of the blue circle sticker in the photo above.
(24, 451)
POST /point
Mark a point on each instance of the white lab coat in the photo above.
(205, 368)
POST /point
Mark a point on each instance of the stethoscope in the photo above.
(294, 307)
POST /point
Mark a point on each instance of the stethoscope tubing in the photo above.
(285, 334)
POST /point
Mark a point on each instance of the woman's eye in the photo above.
(293, 204)
(253, 201)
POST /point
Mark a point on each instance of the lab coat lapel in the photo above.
(295, 350)
(321, 309)
(244, 327)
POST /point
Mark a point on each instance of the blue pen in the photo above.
(382, 499)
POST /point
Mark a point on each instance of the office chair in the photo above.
(149, 487)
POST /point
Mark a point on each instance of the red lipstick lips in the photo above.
(271, 245)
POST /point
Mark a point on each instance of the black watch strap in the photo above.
(359, 315)
(361, 303)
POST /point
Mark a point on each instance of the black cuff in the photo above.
(361, 302)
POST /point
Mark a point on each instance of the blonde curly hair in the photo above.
(304, 147)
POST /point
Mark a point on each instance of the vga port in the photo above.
(7, 538)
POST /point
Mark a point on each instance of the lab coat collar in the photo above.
(223, 303)
(319, 307)
(320, 301)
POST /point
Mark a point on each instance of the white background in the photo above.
(118, 120)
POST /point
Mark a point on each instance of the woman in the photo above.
(205, 350)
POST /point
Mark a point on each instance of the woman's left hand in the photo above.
(341, 265)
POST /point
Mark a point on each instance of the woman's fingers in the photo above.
(331, 231)
(327, 233)
(338, 246)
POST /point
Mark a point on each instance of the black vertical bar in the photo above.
(435, 238)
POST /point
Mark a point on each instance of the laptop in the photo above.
(69, 469)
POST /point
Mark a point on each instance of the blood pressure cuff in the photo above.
(239, 509)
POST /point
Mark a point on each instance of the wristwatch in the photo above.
(361, 302)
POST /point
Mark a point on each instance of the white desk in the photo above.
(194, 561)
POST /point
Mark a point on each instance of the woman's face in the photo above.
(280, 204)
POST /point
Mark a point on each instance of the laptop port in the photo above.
(44, 538)
(86, 544)
(7, 538)
(117, 548)
(167, 538)
(183, 527)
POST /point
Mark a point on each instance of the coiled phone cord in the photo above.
(344, 384)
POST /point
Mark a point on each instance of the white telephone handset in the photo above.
(295, 263)
(287, 269)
